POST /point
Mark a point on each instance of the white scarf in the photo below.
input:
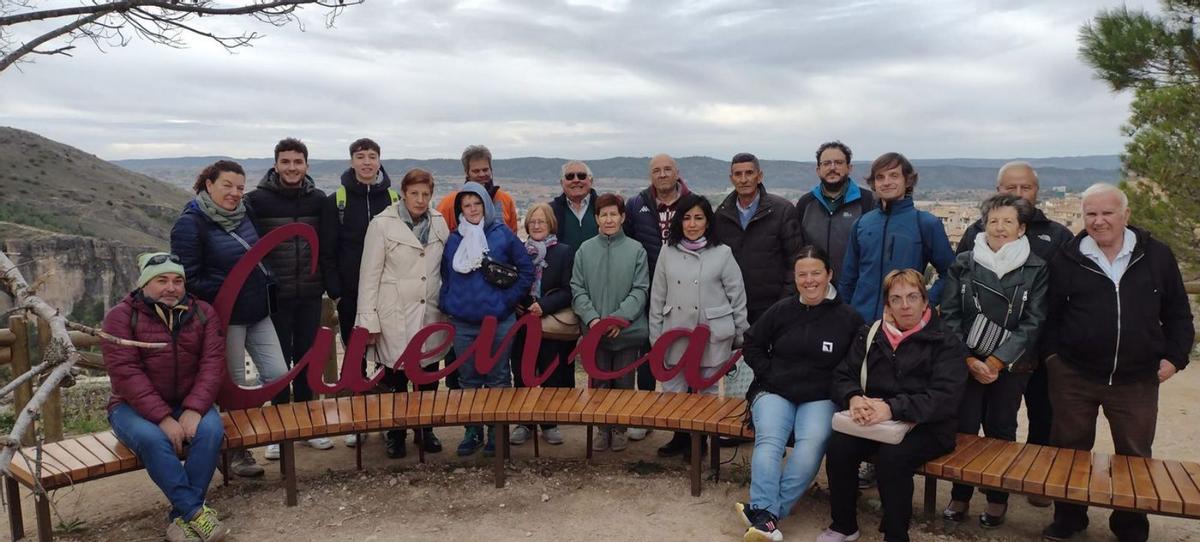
(1010, 256)
(469, 255)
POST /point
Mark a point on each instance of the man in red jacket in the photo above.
(162, 399)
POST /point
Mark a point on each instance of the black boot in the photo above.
(394, 445)
(679, 444)
(430, 441)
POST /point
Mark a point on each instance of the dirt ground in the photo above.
(627, 496)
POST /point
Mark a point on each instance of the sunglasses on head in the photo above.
(572, 176)
(159, 259)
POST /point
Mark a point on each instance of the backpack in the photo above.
(339, 198)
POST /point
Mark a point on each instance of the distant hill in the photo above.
(1074, 172)
(57, 188)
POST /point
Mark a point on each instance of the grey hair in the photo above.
(563, 171)
(1105, 188)
(1014, 165)
(1025, 210)
(475, 152)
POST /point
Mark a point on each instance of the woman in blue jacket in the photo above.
(211, 235)
(467, 297)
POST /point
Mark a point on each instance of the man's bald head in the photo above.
(664, 174)
(1019, 179)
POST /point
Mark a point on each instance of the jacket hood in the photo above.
(270, 181)
(351, 182)
(489, 206)
(853, 193)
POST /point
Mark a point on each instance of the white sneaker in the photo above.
(519, 435)
(353, 439)
(637, 433)
(620, 440)
(319, 443)
(272, 451)
(552, 436)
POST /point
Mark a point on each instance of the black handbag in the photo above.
(500, 275)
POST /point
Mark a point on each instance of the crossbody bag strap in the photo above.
(870, 339)
(247, 247)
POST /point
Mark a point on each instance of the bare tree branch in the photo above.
(110, 338)
(33, 44)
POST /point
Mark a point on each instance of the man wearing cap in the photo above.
(162, 399)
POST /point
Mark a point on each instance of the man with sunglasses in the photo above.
(827, 213)
(573, 208)
(162, 399)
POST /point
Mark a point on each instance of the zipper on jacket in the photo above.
(1117, 291)
(878, 297)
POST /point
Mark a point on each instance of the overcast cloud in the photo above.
(599, 78)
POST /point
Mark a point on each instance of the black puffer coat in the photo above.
(275, 205)
(765, 250)
(342, 237)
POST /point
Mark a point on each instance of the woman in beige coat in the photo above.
(399, 282)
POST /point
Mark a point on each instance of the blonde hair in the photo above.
(551, 222)
(910, 277)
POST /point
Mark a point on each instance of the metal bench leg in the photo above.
(695, 469)
(589, 443)
(358, 451)
(536, 452)
(16, 523)
(501, 448)
(419, 440)
(42, 507)
(224, 467)
(714, 451)
(930, 496)
(287, 467)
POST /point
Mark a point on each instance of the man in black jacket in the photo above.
(1119, 326)
(366, 191)
(761, 230)
(825, 215)
(1045, 238)
(287, 195)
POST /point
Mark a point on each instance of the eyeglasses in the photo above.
(828, 163)
(572, 176)
(160, 259)
(536, 223)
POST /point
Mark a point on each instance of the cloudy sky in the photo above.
(599, 78)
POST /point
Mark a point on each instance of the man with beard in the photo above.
(287, 195)
(826, 214)
(477, 166)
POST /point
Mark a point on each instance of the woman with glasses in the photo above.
(550, 294)
(211, 235)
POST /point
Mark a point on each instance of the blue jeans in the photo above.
(500, 376)
(186, 484)
(773, 487)
(260, 340)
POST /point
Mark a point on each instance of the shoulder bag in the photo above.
(887, 432)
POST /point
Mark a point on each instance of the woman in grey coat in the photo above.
(995, 300)
(697, 281)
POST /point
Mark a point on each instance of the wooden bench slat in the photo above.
(505, 411)
(686, 417)
(316, 418)
(972, 472)
(557, 403)
(961, 442)
(1189, 493)
(541, 409)
(1035, 479)
(675, 419)
(373, 411)
(345, 414)
(1100, 483)
(575, 412)
(993, 475)
(426, 415)
(953, 467)
(259, 422)
(95, 466)
(412, 411)
(562, 414)
(1081, 474)
(303, 423)
(233, 437)
(516, 403)
(646, 417)
(525, 409)
(1168, 495)
(440, 399)
(109, 440)
(291, 428)
(730, 410)
(614, 398)
(1143, 485)
(53, 453)
(387, 409)
(1060, 472)
(249, 432)
(660, 417)
(111, 462)
(399, 409)
(275, 428)
(358, 412)
(332, 415)
(22, 469)
(491, 408)
(1122, 480)
(625, 415)
(696, 423)
(595, 399)
(53, 473)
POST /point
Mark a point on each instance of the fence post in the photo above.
(52, 414)
(329, 319)
(20, 365)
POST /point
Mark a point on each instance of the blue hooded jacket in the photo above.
(467, 296)
(886, 239)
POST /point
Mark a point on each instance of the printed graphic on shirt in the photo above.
(827, 347)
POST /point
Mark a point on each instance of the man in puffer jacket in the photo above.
(468, 298)
(162, 399)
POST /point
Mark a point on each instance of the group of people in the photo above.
(826, 298)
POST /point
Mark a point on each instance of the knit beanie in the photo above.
(150, 271)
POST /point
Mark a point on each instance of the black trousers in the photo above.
(895, 465)
(296, 324)
(993, 406)
(1037, 406)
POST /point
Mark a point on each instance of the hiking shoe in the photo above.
(600, 440)
(831, 535)
(207, 527)
(866, 475)
(242, 464)
(272, 451)
(552, 436)
(394, 446)
(179, 531)
(519, 435)
(489, 449)
(619, 440)
(319, 443)
(1058, 531)
(763, 527)
(429, 441)
(472, 441)
(352, 440)
(637, 433)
